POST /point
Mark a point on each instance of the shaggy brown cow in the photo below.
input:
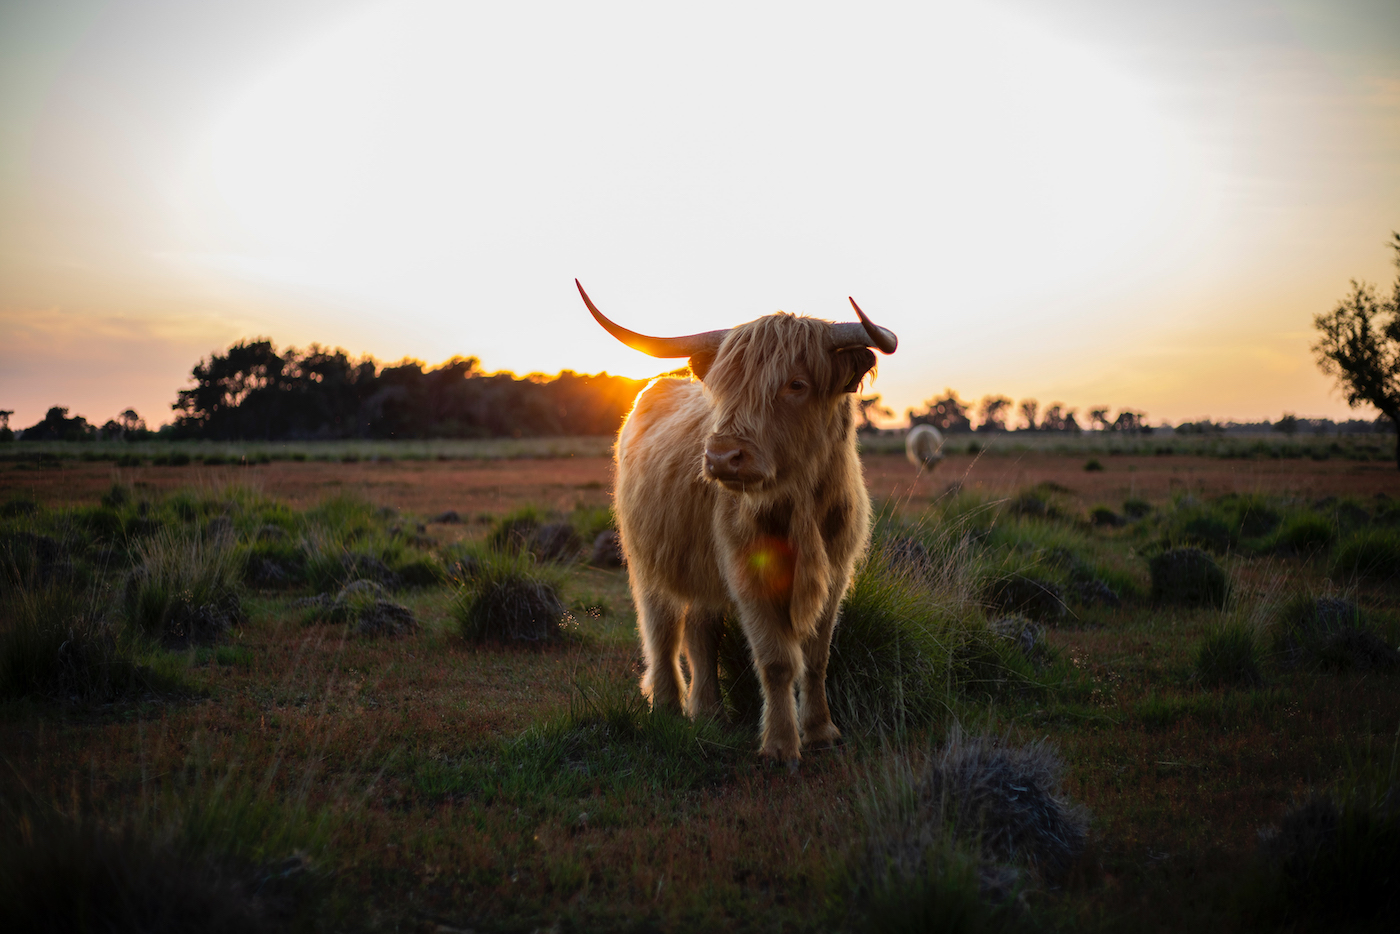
(743, 491)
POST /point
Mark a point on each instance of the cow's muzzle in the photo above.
(731, 463)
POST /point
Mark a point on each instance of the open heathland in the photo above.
(389, 691)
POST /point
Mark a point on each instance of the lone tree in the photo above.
(1360, 346)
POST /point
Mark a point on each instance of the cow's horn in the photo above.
(866, 333)
(687, 346)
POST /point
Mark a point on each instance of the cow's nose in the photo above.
(724, 465)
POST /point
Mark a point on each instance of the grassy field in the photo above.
(1159, 696)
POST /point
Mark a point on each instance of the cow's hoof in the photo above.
(775, 758)
(821, 737)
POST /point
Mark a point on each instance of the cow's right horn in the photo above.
(865, 334)
(688, 346)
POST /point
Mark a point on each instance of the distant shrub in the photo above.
(1104, 517)
(510, 599)
(1187, 577)
(1136, 508)
(1093, 464)
(1229, 656)
(1373, 553)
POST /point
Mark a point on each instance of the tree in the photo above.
(1131, 422)
(1029, 407)
(1288, 425)
(946, 414)
(1098, 418)
(1360, 347)
(6, 432)
(992, 411)
(870, 409)
(1058, 418)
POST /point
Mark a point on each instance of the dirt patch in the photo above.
(472, 487)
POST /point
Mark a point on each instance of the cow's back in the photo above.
(665, 509)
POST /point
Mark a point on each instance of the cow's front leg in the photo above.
(817, 728)
(660, 625)
(702, 634)
(777, 655)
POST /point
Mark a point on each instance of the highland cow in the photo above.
(742, 493)
(924, 446)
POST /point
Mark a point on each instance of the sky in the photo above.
(1098, 203)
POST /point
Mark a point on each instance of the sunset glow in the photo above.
(1139, 210)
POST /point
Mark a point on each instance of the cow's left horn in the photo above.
(688, 346)
(866, 333)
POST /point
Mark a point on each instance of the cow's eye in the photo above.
(797, 385)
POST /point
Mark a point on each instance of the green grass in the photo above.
(1229, 656)
(434, 780)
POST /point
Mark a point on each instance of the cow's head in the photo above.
(780, 386)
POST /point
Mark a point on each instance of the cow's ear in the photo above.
(851, 366)
(700, 364)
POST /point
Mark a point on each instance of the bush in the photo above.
(184, 589)
(1093, 464)
(510, 599)
(1187, 577)
(1373, 553)
(1137, 508)
(1229, 656)
(1105, 518)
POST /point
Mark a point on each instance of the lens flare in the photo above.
(770, 563)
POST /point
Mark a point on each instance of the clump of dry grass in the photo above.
(184, 588)
(952, 845)
(510, 598)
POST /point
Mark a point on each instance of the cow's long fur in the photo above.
(780, 551)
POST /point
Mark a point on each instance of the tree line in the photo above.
(252, 391)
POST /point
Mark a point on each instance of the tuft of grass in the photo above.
(1332, 859)
(1229, 656)
(57, 642)
(1329, 633)
(184, 588)
(956, 843)
(201, 852)
(1188, 577)
(1137, 508)
(1373, 553)
(365, 606)
(510, 598)
(905, 644)
(1093, 464)
(1305, 533)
